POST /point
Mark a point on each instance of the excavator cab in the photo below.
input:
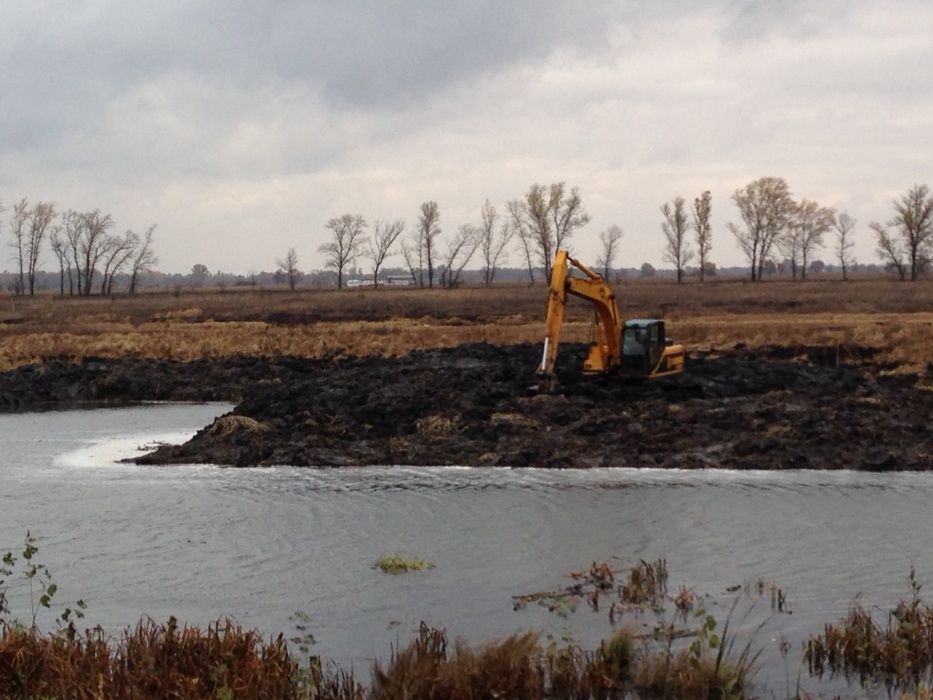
(643, 347)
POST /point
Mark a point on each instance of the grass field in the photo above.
(894, 317)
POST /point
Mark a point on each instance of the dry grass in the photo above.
(150, 661)
(896, 318)
(897, 654)
(225, 661)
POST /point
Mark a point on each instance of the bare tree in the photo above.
(59, 247)
(289, 266)
(492, 243)
(118, 253)
(144, 260)
(40, 218)
(19, 232)
(702, 209)
(428, 231)
(609, 242)
(844, 225)
(408, 253)
(548, 216)
(889, 249)
(764, 206)
(788, 243)
(677, 250)
(384, 236)
(813, 222)
(72, 227)
(913, 220)
(93, 244)
(346, 245)
(460, 249)
(526, 243)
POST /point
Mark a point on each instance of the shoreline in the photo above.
(472, 406)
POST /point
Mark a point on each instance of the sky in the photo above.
(240, 128)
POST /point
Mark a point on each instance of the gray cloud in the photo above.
(221, 118)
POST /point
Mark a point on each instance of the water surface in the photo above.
(198, 542)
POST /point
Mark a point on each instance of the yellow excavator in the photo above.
(635, 349)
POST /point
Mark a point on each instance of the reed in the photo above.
(895, 651)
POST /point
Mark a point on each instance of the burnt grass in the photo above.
(475, 405)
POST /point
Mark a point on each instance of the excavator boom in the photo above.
(604, 353)
(646, 351)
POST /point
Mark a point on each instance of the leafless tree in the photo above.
(289, 266)
(460, 249)
(844, 225)
(813, 222)
(492, 242)
(609, 242)
(144, 260)
(764, 206)
(19, 232)
(788, 243)
(677, 249)
(40, 218)
(409, 253)
(428, 231)
(889, 249)
(526, 243)
(93, 244)
(384, 236)
(59, 248)
(72, 225)
(347, 243)
(913, 225)
(119, 251)
(702, 209)
(548, 216)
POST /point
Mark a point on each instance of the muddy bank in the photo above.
(96, 381)
(473, 405)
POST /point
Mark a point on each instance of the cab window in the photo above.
(633, 341)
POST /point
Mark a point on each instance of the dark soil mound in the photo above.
(59, 383)
(474, 405)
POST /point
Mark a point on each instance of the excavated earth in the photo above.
(775, 408)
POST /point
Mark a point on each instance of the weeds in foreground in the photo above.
(149, 661)
(24, 568)
(897, 654)
(397, 564)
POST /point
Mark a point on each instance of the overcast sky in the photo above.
(241, 127)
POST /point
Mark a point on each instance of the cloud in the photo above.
(241, 127)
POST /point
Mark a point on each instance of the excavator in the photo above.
(635, 349)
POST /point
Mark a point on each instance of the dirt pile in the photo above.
(473, 405)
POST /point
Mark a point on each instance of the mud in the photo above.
(777, 408)
(474, 405)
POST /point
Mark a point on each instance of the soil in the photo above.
(475, 405)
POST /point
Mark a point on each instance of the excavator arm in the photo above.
(604, 352)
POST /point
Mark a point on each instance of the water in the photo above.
(199, 542)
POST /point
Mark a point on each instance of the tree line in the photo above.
(89, 256)
(537, 225)
(546, 218)
(772, 223)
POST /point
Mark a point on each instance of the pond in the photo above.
(200, 542)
